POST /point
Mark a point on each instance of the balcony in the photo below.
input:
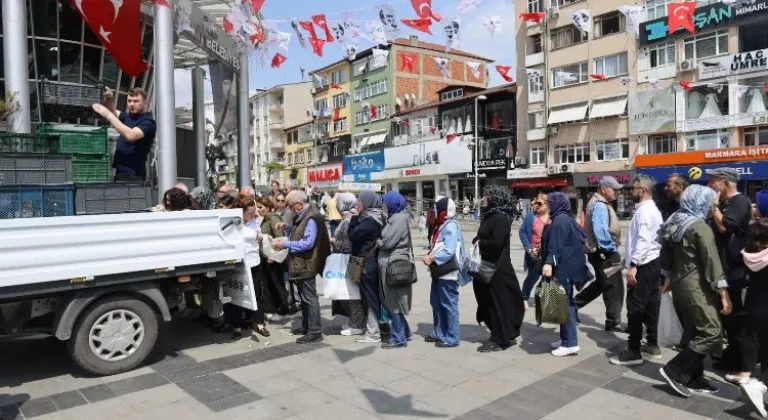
(536, 134)
(318, 88)
(275, 108)
(277, 144)
(534, 97)
(324, 113)
(534, 59)
(277, 124)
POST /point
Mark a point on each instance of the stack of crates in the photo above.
(35, 180)
(89, 151)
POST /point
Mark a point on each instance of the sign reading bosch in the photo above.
(361, 166)
(697, 173)
(706, 17)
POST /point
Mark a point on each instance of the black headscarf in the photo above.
(560, 204)
(500, 200)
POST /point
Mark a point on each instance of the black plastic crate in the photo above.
(28, 143)
(35, 169)
(69, 100)
(116, 197)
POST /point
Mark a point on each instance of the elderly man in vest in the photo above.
(603, 239)
(308, 246)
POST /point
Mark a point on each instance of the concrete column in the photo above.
(15, 58)
(419, 197)
(198, 122)
(165, 101)
(243, 126)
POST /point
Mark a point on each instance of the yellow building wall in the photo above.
(329, 93)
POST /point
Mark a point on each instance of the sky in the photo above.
(475, 38)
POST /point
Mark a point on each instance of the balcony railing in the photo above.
(536, 134)
(534, 59)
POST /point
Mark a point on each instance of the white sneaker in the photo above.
(755, 391)
(565, 351)
(555, 344)
(736, 379)
(369, 339)
(526, 305)
(352, 331)
(276, 318)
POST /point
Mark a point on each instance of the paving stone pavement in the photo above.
(199, 375)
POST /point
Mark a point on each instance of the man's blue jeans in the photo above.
(569, 332)
(400, 330)
(444, 298)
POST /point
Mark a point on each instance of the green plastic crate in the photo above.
(90, 169)
(28, 143)
(90, 141)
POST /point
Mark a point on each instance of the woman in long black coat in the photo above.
(499, 302)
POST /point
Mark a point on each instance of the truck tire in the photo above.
(113, 335)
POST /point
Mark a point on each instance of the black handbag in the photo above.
(485, 272)
(402, 273)
(438, 271)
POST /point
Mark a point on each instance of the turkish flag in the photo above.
(256, 5)
(418, 24)
(504, 72)
(335, 86)
(307, 25)
(258, 35)
(320, 21)
(598, 76)
(278, 60)
(685, 84)
(374, 111)
(118, 27)
(423, 9)
(681, 15)
(335, 114)
(407, 60)
(532, 17)
(317, 46)
(450, 137)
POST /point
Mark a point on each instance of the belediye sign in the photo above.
(732, 65)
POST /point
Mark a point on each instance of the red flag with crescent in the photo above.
(680, 15)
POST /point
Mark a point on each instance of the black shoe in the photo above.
(654, 352)
(676, 386)
(298, 331)
(222, 328)
(678, 347)
(430, 339)
(702, 386)
(489, 346)
(617, 328)
(309, 338)
(388, 346)
(629, 357)
(443, 345)
(237, 335)
(261, 330)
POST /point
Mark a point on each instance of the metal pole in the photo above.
(14, 57)
(243, 126)
(198, 122)
(477, 158)
(165, 101)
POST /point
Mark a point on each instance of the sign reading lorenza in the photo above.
(732, 65)
(706, 17)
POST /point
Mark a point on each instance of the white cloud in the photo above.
(182, 83)
(476, 39)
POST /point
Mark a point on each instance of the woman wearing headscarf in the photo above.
(499, 302)
(692, 271)
(395, 245)
(565, 262)
(447, 242)
(346, 205)
(275, 294)
(364, 230)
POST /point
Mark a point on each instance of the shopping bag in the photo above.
(272, 253)
(474, 258)
(670, 331)
(553, 301)
(336, 285)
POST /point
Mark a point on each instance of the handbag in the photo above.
(485, 272)
(355, 266)
(551, 302)
(401, 273)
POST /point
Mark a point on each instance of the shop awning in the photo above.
(610, 107)
(575, 112)
(375, 139)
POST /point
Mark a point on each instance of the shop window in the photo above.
(752, 99)
(709, 101)
(572, 153)
(707, 140)
(662, 144)
(495, 148)
(609, 24)
(538, 156)
(755, 136)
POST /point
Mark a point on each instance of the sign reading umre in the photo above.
(732, 65)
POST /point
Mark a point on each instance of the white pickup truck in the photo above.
(104, 283)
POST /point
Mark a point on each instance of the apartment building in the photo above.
(331, 130)
(286, 105)
(299, 152)
(573, 127)
(719, 117)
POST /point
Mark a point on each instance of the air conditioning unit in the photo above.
(566, 168)
(688, 65)
(520, 161)
(551, 131)
(553, 170)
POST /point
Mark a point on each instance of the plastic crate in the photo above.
(92, 141)
(31, 169)
(69, 100)
(24, 201)
(118, 197)
(90, 169)
(28, 143)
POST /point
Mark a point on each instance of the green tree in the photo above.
(295, 173)
(212, 154)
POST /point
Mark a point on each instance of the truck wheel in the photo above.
(113, 335)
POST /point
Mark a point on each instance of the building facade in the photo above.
(331, 131)
(299, 152)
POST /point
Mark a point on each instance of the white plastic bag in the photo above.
(335, 283)
(272, 253)
(474, 258)
(670, 330)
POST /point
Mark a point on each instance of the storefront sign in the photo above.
(364, 163)
(527, 173)
(735, 154)
(540, 183)
(591, 179)
(492, 164)
(324, 176)
(453, 157)
(411, 172)
(732, 65)
(651, 111)
(697, 173)
(712, 16)
(359, 186)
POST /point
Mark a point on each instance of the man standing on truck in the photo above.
(308, 247)
(137, 131)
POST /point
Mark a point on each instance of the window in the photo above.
(570, 75)
(456, 93)
(422, 125)
(662, 144)
(340, 125)
(612, 65)
(373, 89)
(535, 84)
(708, 45)
(707, 140)
(309, 155)
(755, 136)
(538, 156)
(609, 24)
(360, 67)
(572, 153)
(661, 55)
(290, 158)
(321, 128)
(339, 76)
(362, 117)
(340, 100)
(612, 150)
(536, 46)
(566, 36)
(657, 8)
(535, 120)
(562, 3)
(535, 6)
(321, 104)
(299, 157)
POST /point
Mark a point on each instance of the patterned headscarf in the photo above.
(371, 203)
(500, 200)
(205, 198)
(346, 204)
(696, 203)
(395, 202)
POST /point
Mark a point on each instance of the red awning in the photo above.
(540, 183)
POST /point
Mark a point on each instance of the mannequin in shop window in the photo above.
(711, 109)
(756, 102)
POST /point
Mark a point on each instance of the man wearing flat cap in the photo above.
(603, 239)
(730, 220)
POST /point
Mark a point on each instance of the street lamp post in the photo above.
(477, 152)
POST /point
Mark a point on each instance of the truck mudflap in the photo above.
(70, 309)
